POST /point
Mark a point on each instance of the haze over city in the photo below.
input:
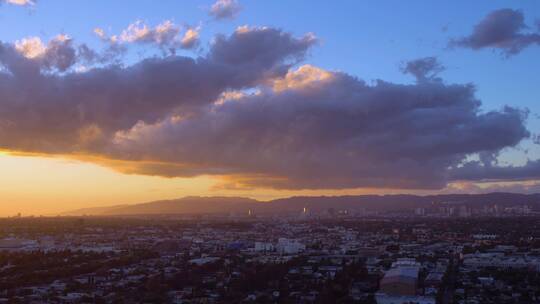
(105, 103)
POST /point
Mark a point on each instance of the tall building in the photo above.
(464, 211)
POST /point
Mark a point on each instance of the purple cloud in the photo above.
(503, 29)
(330, 130)
(478, 171)
(423, 69)
(244, 111)
(54, 113)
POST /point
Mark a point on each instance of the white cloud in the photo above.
(58, 53)
(20, 2)
(166, 35)
(225, 9)
(30, 47)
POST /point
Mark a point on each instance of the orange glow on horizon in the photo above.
(37, 184)
(34, 184)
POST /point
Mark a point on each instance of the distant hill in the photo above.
(207, 205)
(186, 205)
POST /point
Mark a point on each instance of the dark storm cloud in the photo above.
(503, 29)
(62, 113)
(241, 112)
(252, 50)
(332, 131)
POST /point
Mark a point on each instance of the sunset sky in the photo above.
(113, 102)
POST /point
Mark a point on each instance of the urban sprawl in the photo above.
(447, 255)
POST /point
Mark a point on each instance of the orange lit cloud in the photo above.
(20, 2)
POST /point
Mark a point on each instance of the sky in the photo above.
(118, 102)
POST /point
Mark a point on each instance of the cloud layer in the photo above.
(504, 30)
(58, 113)
(478, 171)
(331, 130)
(245, 112)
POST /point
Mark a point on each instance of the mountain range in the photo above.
(228, 205)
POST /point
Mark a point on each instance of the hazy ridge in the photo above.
(202, 205)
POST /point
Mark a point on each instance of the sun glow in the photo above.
(37, 185)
